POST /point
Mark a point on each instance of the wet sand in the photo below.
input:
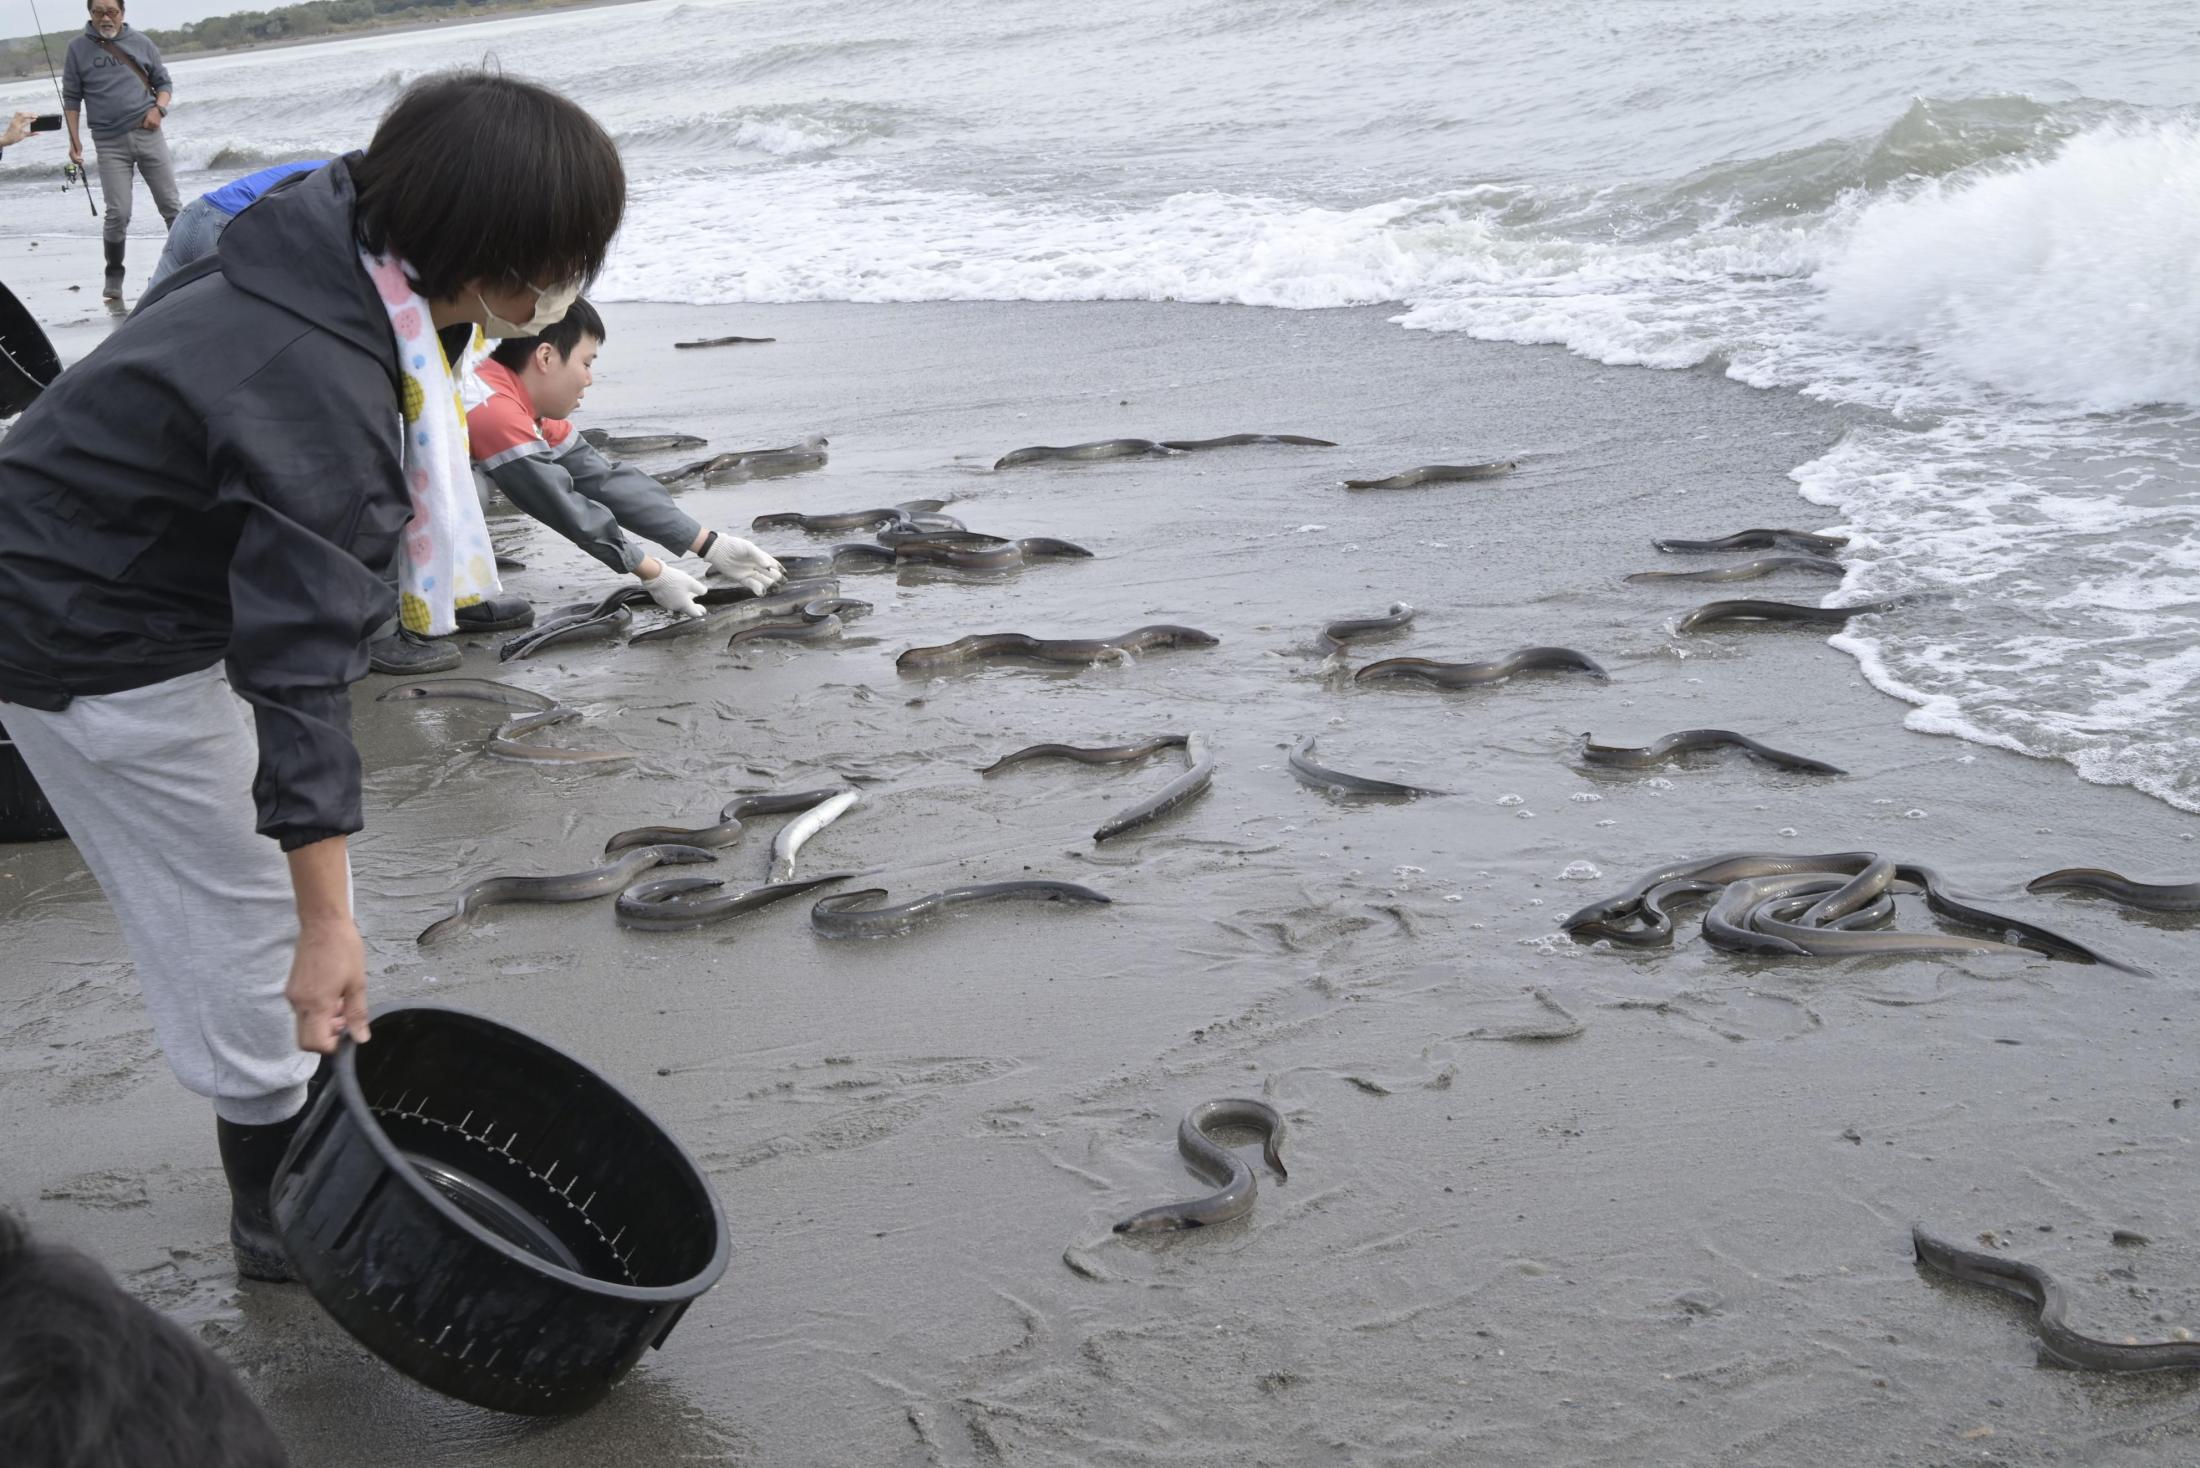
(1547, 1203)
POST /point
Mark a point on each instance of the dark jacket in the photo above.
(220, 481)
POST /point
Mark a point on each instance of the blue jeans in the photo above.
(197, 230)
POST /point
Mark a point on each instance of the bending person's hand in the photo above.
(675, 590)
(741, 562)
(328, 984)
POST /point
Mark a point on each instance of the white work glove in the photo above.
(741, 562)
(675, 590)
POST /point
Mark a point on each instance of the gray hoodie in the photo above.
(95, 83)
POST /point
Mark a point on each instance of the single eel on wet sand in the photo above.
(1106, 448)
(849, 555)
(753, 463)
(2146, 896)
(1475, 675)
(846, 519)
(1438, 474)
(642, 443)
(723, 341)
(1776, 611)
(1238, 440)
(858, 915)
(1341, 783)
(803, 628)
(1067, 650)
(2058, 1343)
(575, 887)
(931, 552)
(1335, 635)
(1184, 788)
(1808, 542)
(813, 820)
(1218, 1164)
(676, 904)
(1751, 570)
(1662, 751)
(1103, 754)
(503, 743)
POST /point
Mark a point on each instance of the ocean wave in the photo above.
(2070, 549)
(790, 130)
(822, 233)
(2069, 279)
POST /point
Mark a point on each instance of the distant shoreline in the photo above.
(395, 26)
(398, 27)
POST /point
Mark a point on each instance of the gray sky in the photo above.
(61, 15)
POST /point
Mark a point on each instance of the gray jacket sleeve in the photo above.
(637, 501)
(540, 485)
(72, 79)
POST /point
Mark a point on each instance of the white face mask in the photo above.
(550, 308)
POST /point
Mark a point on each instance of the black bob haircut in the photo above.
(89, 1375)
(580, 320)
(478, 176)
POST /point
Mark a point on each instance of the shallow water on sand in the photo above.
(1547, 1203)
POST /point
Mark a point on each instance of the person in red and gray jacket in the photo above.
(521, 440)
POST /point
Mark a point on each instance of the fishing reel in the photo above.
(74, 174)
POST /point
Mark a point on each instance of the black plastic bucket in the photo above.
(27, 360)
(491, 1216)
(24, 813)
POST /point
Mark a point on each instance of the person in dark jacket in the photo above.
(193, 524)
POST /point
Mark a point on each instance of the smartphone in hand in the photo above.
(46, 122)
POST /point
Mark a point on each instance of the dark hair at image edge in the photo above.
(580, 320)
(478, 176)
(90, 1375)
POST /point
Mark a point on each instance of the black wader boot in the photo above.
(113, 290)
(249, 1158)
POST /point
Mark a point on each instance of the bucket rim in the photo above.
(352, 1096)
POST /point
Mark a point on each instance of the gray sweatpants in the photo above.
(155, 787)
(118, 157)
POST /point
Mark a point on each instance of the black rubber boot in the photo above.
(112, 291)
(249, 1158)
(496, 614)
(407, 656)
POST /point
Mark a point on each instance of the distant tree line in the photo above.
(247, 28)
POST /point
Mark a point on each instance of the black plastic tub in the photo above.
(491, 1216)
(24, 813)
(27, 360)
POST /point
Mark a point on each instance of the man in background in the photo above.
(116, 75)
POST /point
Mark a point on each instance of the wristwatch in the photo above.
(160, 109)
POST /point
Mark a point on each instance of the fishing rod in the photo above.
(71, 172)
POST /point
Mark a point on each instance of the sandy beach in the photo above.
(1547, 1203)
